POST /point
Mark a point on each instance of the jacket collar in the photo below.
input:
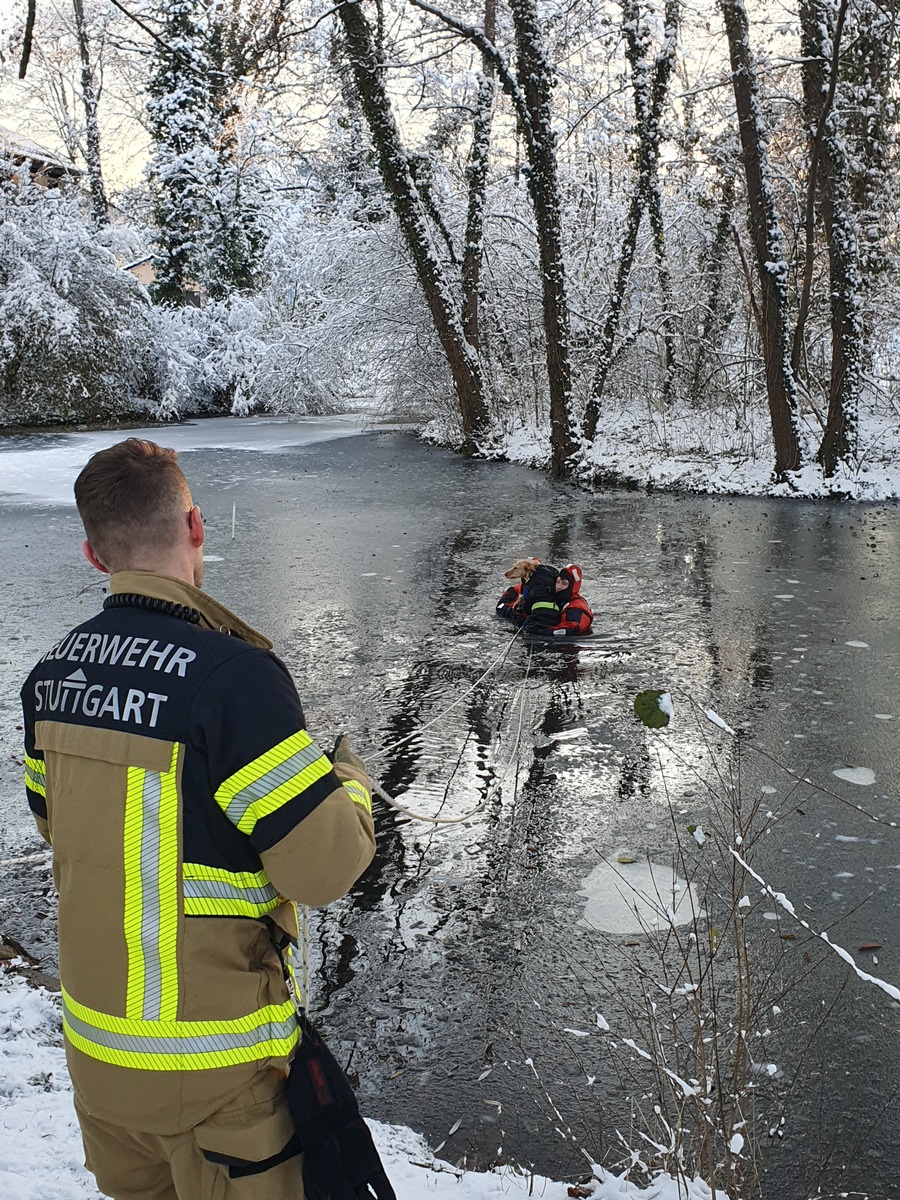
(175, 591)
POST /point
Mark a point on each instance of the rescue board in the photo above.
(560, 639)
(550, 639)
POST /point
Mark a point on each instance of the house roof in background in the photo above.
(17, 146)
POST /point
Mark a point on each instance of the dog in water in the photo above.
(522, 568)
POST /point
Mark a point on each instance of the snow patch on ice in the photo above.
(629, 898)
(862, 776)
(43, 467)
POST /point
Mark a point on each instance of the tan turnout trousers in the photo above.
(130, 1165)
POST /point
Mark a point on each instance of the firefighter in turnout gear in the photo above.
(189, 810)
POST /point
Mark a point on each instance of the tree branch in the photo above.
(490, 53)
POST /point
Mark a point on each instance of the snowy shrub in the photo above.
(80, 339)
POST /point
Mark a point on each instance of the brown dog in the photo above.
(522, 568)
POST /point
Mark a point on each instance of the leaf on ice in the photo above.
(652, 710)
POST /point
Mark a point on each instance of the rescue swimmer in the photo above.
(545, 601)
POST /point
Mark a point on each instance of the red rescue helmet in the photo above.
(573, 576)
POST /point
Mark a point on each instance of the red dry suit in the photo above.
(564, 613)
(576, 616)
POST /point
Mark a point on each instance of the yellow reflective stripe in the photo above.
(209, 906)
(272, 779)
(36, 774)
(168, 892)
(150, 856)
(544, 604)
(359, 795)
(215, 892)
(270, 1032)
(243, 879)
(275, 1047)
(36, 782)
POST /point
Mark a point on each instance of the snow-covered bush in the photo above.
(80, 341)
(339, 323)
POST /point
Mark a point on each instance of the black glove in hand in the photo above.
(543, 620)
(340, 1161)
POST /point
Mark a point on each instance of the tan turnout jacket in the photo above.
(168, 764)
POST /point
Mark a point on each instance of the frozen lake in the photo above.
(470, 950)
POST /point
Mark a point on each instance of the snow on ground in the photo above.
(726, 452)
(40, 1146)
(43, 466)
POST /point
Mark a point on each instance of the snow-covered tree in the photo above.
(81, 341)
(766, 235)
(208, 209)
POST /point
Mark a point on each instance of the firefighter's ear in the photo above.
(195, 525)
(92, 557)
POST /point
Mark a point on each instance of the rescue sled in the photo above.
(558, 639)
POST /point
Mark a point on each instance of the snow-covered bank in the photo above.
(44, 466)
(641, 445)
(40, 1145)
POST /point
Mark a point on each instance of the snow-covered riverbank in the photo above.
(643, 445)
(40, 1144)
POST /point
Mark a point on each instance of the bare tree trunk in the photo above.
(27, 38)
(477, 171)
(658, 229)
(613, 315)
(529, 91)
(820, 46)
(818, 110)
(368, 67)
(869, 63)
(89, 97)
(533, 73)
(713, 319)
(650, 87)
(765, 233)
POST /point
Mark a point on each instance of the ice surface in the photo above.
(44, 466)
(628, 898)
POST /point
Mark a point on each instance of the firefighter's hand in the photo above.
(343, 754)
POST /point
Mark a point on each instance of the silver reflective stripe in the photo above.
(260, 788)
(190, 1044)
(217, 889)
(150, 902)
